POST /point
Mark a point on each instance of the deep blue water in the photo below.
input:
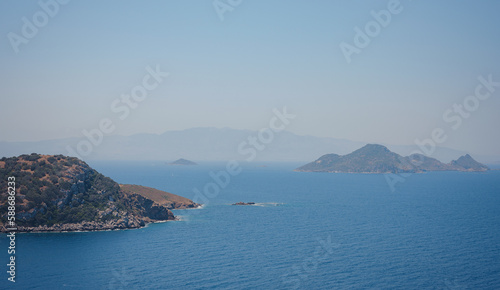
(438, 230)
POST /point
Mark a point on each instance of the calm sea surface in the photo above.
(438, 230)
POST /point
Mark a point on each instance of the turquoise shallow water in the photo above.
(438, 230)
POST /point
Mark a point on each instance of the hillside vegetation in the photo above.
(55, 192)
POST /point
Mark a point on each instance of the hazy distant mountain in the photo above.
(207, 144)
(374, 158)
(200, 144)
(370, 158)
(468, 164)
(427, 163)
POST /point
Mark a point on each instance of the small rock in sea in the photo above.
(244, 203)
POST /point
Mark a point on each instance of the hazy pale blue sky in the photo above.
(263, 55)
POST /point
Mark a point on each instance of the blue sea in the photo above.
(438, 230)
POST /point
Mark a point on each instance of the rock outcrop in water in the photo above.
(244, 203)
(374, 158)
(59, 193)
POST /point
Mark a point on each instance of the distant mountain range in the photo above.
(212, 144)
(374, 158)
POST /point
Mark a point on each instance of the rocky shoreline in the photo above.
(129, 222)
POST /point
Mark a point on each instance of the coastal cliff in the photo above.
(59, 193)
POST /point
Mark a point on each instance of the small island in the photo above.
(56, 193)
(374, 158)
(182, 161)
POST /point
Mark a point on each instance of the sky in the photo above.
(231, 68)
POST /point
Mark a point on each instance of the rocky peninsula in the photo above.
(60, 193)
